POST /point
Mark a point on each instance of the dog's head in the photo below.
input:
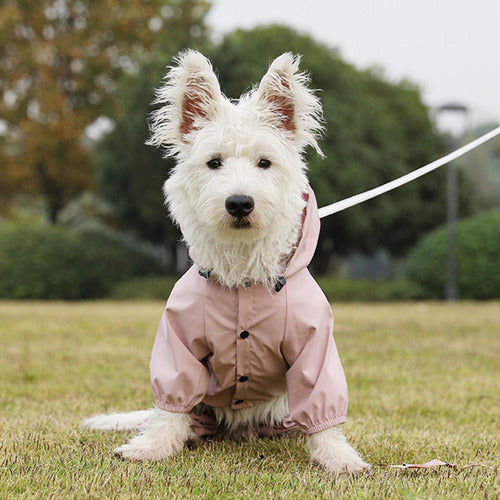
(240, 176)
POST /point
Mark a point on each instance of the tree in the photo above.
(129, 173)
(130, 178)
(60, 60)
(376, 130)
(481, 168)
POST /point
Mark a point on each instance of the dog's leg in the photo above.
(164, 435)
(330, 449)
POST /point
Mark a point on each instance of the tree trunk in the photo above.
(52, 191)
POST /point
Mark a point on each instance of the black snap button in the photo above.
(244, 378)
(238, 401)
(244, 334)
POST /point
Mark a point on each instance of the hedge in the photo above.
(147, 288)
(336, 289)
(478, 259)
(339, 289)
(49, 262)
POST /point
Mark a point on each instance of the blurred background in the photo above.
(402, 83)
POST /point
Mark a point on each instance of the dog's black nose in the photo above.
(239, 205)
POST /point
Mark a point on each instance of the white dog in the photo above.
(245, 345)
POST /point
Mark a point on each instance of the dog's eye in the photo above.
(214, 163)
(263, 163)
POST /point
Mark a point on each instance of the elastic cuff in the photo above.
(325, 425)
(174, 409)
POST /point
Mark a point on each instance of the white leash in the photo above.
(372, 193)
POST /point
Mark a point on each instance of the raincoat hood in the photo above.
(308, 239)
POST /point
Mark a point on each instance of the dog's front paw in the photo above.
(330, 449)
(343, 464)
(143, 448)
(164, 435)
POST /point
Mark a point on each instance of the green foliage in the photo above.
(481, 167)
(43, 262)
(478, 251)
(130, 174)
(348, 290)
(130, 177)
(336, 289)
(147, 288)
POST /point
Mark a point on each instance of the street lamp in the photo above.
(451, 291)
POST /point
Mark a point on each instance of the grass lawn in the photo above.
(424, 383)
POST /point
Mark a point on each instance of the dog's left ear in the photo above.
(287, 103)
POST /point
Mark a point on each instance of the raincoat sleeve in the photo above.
(178, 374)
(316, 385)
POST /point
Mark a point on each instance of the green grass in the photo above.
(424, 383)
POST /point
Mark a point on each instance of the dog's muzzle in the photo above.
(240, 205)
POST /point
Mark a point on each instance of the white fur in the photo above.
(247, 420)
(165, 434)
(196, 124)
(330, 449)
(118, 421)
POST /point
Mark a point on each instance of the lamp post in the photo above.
(451, 291)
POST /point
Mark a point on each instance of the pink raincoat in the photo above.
(241, 346)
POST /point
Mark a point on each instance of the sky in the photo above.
(449, 48)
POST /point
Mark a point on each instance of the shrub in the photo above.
(112, 262)
(336, 289)
(478, 259)
(348, 290)
(147, 288)
(47, 262)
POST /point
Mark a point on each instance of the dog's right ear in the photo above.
(190, 97)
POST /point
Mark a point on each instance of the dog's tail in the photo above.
(133, 420)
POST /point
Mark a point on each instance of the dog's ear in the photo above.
(189, 97)
(288, 104)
